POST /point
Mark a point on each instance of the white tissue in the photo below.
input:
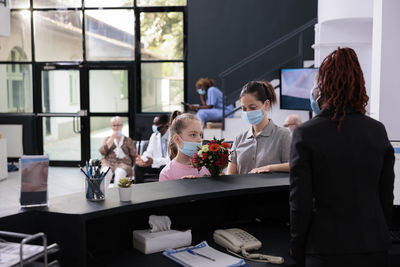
(159, 223)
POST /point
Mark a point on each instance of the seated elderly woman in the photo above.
(118, 152)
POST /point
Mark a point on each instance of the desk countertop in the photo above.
(162, 193)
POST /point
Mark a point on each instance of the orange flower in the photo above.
(213, 147)
(204, 156)
(226, 145)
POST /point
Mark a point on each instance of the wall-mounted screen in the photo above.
(296, 85)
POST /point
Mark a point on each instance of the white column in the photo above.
(5, 19)
(385, 90)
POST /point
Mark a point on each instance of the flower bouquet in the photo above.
(214, 156)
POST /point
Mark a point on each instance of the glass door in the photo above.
(61, 117)
(110, 95)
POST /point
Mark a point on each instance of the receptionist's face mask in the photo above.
(253, 117)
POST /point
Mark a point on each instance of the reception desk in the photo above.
(100, 233)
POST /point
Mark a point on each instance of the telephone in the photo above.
(236, 240)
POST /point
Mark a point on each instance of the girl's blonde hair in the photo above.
(177, 125)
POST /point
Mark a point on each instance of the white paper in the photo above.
(9, 252)
(216, 258)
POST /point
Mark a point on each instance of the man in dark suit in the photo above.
(341, 174)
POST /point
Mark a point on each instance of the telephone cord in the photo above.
(258, 257)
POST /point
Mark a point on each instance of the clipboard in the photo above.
(202, 255)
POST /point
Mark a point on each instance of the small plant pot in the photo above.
(125, 194)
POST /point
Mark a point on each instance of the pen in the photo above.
(104, 174)
(83, 172)
(201, 255)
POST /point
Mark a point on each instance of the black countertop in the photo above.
(160, 193)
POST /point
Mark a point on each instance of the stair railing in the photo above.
(297, 33)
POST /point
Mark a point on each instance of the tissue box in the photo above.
(148, 242)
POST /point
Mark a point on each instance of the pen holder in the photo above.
(95, 189)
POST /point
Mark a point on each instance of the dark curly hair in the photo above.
(341, 82)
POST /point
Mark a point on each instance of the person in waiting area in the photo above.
(291, 122)
(211, 101)
(265, 146)
(187, 134)
(155, 157)
(341, 173)
(118, 151)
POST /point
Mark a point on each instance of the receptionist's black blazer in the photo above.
(341, 186)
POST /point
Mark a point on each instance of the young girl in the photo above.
(187, 134)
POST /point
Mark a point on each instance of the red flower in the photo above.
(204, 156)
(213, 147)
(226, 145)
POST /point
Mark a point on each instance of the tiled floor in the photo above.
(61, 181)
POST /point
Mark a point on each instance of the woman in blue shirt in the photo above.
(211, 101)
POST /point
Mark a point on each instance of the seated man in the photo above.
(291, 122)
(156, 156)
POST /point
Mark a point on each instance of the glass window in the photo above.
(100, 129)
(60, 141)
(56, 3)
(16, 88)
(161, 2)
(161, 35)
(58, 35)
(20, 3)
(162, 87)
(108, 90)
(60, 91)
(110, 34)
(17, 47)
(108, 3)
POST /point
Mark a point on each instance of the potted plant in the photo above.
(125, 189)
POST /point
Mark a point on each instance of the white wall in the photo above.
(5, 20)
(345, 23)
(385, 93)
(371, 28)
(344, 9)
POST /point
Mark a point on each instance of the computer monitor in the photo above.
(296, 85)
(396, 146)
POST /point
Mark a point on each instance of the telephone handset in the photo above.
(236, 240)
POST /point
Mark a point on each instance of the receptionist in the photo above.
(265, 146)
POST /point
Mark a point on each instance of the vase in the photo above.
(95, 189)
(214, 172)
(125, 194)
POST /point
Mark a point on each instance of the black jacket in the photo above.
(341, 186)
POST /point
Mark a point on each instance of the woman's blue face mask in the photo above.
(253, 117)
(314, 103)
(201, 91)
